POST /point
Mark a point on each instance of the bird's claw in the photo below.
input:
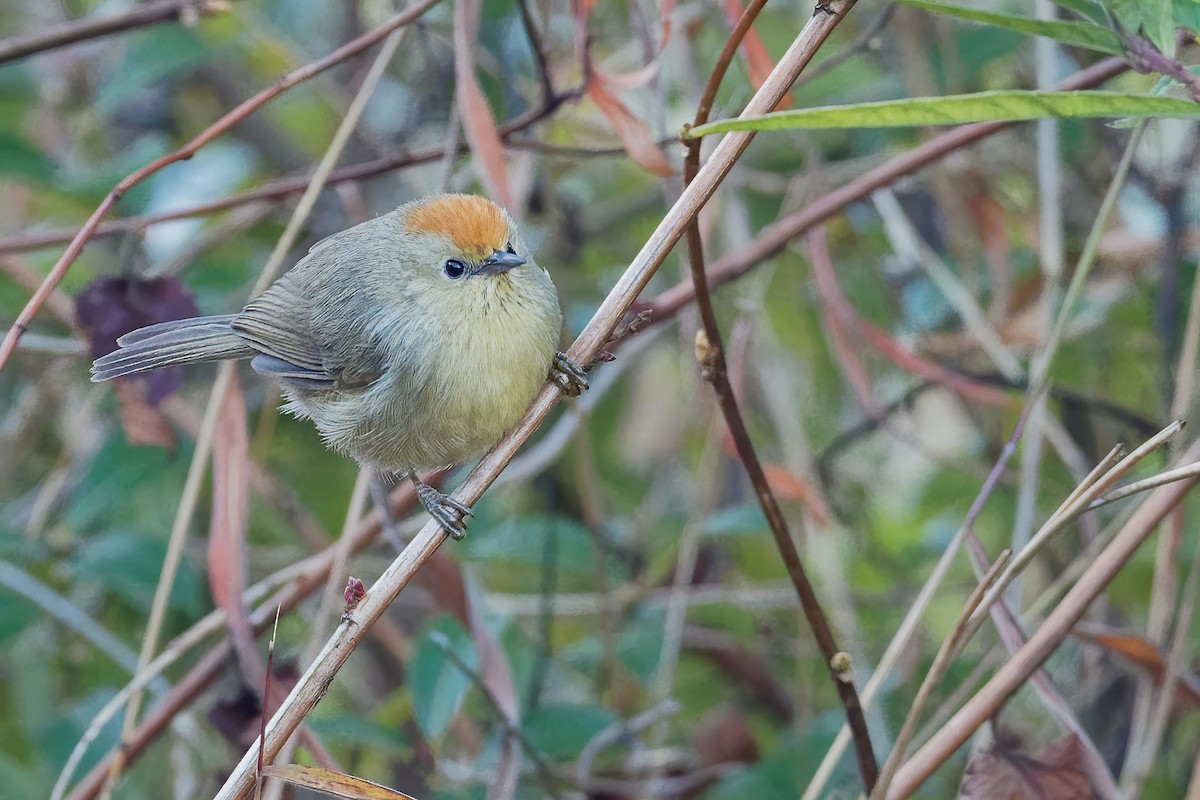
(569, 376)
(448, 512)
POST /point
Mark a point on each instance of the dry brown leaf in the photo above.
(227, 537)
(790, 486)
(601, 86)
(479, 126)
(1004, 773)
(1144, 654)
(141, 421)
(634, 135)
(758, 61)
(337, 784)
(724, 737)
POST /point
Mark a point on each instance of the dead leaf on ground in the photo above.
(107, 308)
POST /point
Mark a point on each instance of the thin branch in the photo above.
(289, 186)
(547, 778)
(312, 685)
(93, 27)
(166, 579)
(864, 41)
(539, 53)
(710, 351)
(951, 646)
(218, 128)
(1045, 640)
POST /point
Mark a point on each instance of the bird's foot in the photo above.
(570, 377)
(449, 513)
(381, 487)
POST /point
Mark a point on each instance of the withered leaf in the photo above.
(1003, 772)
(109, 307)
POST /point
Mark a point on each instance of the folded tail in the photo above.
(183, 341)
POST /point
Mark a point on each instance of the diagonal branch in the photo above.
(316, 679)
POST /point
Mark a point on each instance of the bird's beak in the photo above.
(499, 262)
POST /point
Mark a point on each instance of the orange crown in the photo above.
(474, 224)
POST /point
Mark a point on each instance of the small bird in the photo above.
(413, 341)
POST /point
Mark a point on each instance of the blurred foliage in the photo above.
(570, 573)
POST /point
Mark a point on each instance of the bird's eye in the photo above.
(509, 248)
(454, 268)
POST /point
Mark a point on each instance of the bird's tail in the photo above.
(182, 341)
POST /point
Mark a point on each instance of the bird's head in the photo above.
(465, 241)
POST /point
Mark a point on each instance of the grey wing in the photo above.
(279, 324)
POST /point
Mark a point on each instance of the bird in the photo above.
(413, 341)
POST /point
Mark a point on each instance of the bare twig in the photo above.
(1045, 639)
(951, 646)
(710, 352)
(93, 27)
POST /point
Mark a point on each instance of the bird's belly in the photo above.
(402, 423)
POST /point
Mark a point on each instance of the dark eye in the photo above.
(454, 268)
(508, 247)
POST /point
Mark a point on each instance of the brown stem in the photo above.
(93, 27)
(715, 371)
(210, 133)
(539, 53)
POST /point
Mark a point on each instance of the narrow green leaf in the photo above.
(1159, 25)
(1011, 106)
(1078, 34)
(438, 684)
(1089, 9)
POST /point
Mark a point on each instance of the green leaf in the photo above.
(21, 159)
(523, 541)
(1078, 34)
(561, 732)
(129, 566)
(438, 685)
(1009, 106)
(1187, 14)
(1084, 8)
(1153, 19)
(15, 613)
